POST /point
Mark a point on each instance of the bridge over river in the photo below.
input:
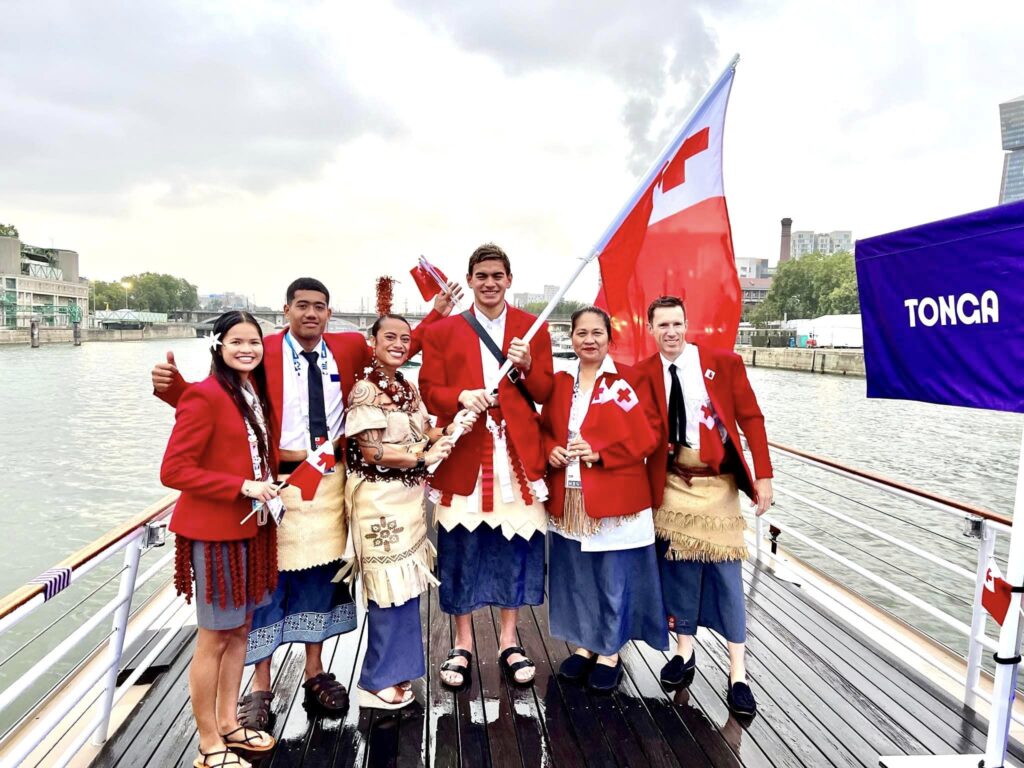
(361, 320)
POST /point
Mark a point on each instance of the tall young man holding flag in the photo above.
(489, 493)
(309, 374)
(701, 399)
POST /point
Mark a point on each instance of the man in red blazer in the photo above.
(698, 400)
(489, 493)
(309, 374)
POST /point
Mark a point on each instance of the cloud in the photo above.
(100, 98)
(649, 48)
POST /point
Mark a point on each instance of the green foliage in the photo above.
(564, 308)
(8, 230)
(148, 291)
(813, 285)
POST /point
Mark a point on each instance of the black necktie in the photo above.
(317, 411)
(676, 410)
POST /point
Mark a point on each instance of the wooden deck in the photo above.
(827, 695)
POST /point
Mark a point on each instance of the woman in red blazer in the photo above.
(220, 456)
(603, 583)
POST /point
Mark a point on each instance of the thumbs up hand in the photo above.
(164, 374)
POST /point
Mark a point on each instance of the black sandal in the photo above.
(254, 710)
(200, 762)
(327, 693)
(465, 670)
(246, 744)
(511, 669)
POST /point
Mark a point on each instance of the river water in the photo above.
(81, 438)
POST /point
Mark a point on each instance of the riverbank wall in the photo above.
(16, 336)
(844, 362)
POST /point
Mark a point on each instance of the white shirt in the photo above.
(496, 330)
(695, 393)
(616, 532)
(510, 515)
(295, 419)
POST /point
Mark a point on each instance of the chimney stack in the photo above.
(785, 247)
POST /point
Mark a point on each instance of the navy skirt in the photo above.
(704, 595)
(482, 567)
(306, 607)
(602, 600)
(394, 645)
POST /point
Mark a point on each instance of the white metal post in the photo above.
(986, 547)
(758, 534)
(1005, 685)
(115, 646)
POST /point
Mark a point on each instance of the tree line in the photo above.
(148, 291)
(814, 285)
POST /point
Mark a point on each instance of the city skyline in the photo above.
(229, 146)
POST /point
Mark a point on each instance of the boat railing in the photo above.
(94, 690)
(978, 527)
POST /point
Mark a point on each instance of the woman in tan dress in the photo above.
(390, 445)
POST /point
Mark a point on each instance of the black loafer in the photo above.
(604, 679)
(741, 700)
(576, 667)
(678, 673)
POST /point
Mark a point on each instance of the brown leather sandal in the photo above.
(254, 710)
(326, 692)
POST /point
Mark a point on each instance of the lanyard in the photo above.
(301, 394)
(577, 415)
(295, 355)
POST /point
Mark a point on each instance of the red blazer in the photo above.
(351, 353)
(208, 459)
(452, 363)
(618, 485)
(734, 403)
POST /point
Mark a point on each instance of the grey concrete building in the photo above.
(1011, 121)
(747, 267)
(805, 241)
(41, 283)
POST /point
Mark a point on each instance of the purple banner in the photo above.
(942, 307)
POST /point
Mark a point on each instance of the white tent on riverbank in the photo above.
(828, 331)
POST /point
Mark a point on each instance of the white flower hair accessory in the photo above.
(214, 340)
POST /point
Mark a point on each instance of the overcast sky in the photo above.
(241, 144)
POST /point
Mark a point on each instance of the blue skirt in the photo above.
(602, 600)
(704, 595)
(394, 645)
(482, 567)
(306, 607)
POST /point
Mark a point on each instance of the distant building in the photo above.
(522, 299)
(751, 267)
(805, 241)
(1011, 119)
(755, 289)
(41, 283)
(226, 300)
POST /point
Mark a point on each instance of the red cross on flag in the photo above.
(995, 597)
(676, 241)
(309, 473)
(619, 393)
